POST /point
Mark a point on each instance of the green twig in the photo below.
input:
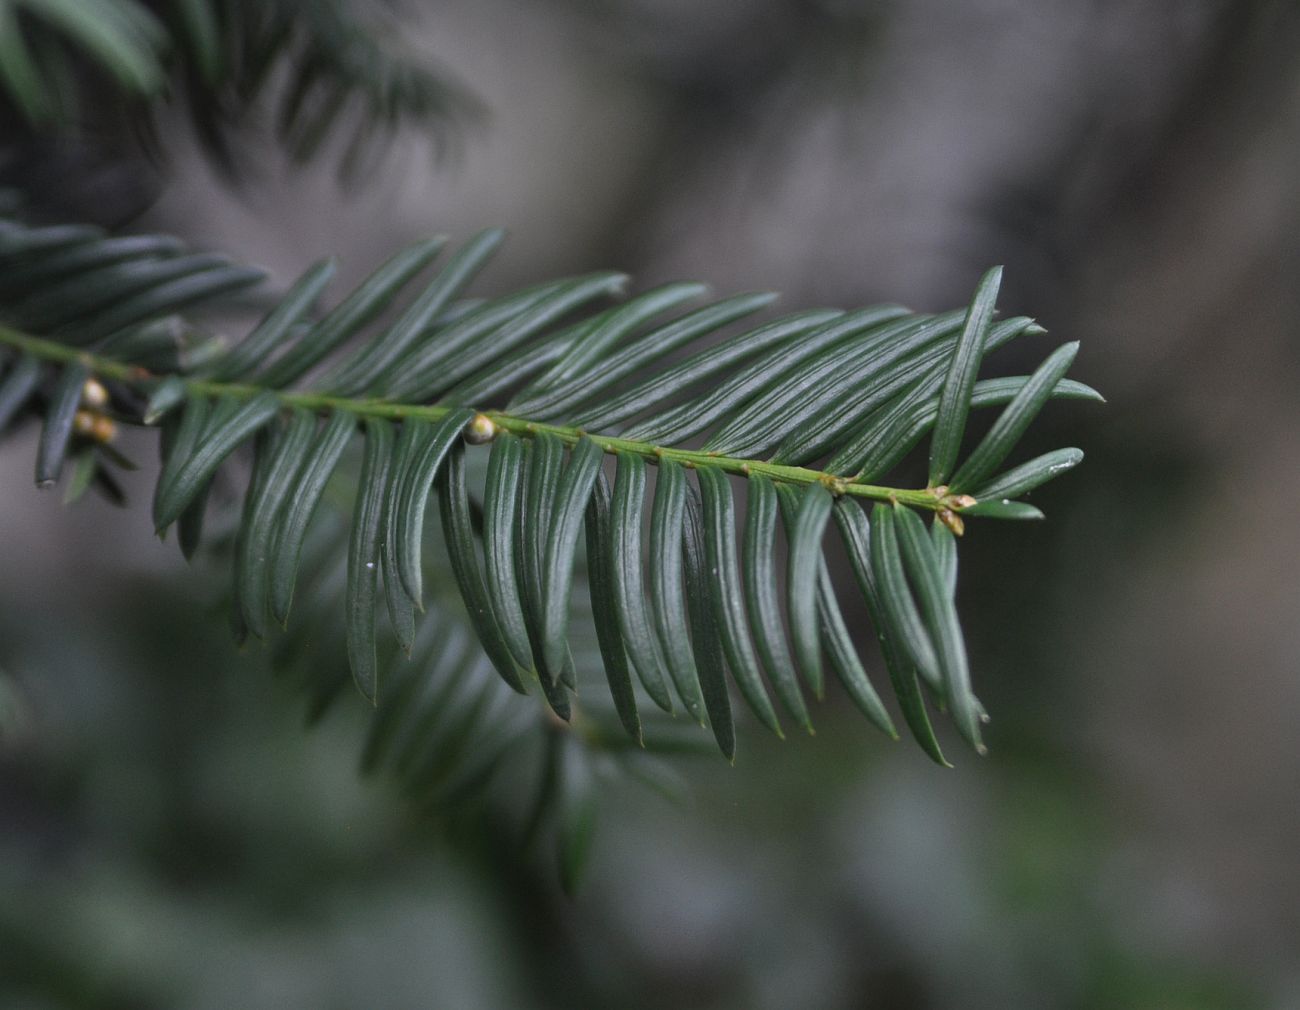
(934, 499)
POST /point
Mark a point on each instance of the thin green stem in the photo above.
(141, 378)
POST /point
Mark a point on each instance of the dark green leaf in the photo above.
(20, 73)
(500, 510)
(1028, 476)
(921, 382)
(898, 610)
(83, 472)
(718, 360)
(629, 606)
(573, 370)
(868, 360)
(204, 37)
(18, 386)
(499, 377)
(666, 591)
(603, 567)
(954, 400)
(40, 271)
(353, 313)
(439, 365)
(177, 445)
(216, 443)
(458, 533)
(167, 395)
(364, 556)
(726, 593)
(941, 621)
(296, 514)
(805, 563)
(92, 291)
(161, 299)
(704, 626)
(434, 443)
(257, 532)
(1002, 509)
(543, 460)
(855, 531)
(249, 568)
(557, 573)
(1014, 420)
(277, 326)
(839, 643)
(699, 414)
(19, 241)
(374, 358)
(945, 555)
(762, 599)
(401, 608)
(56, 433)
(601, 375)
(125, 39)
(910, 425)
(473, 329)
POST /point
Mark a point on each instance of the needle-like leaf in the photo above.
(252, 583)
(761, 597)
(300, 506)
(459, 534)
(1027, 476)
(277, 326)
(902, 619)
(604, 589)
(927, 577)
(57, 431)
(354, 312)
(18, 386)
(666, 588)
(1014, 420)
(727, 595)
(216, 443)
(629, 606)
(954, 401)
(1002, 509)
(704, 627)
(804, 566)
(856, 534)
(401, 607)
(434, 440)
(500, 512)
(557, 573)
(364, 556)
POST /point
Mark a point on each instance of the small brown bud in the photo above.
(83, 423)
(104, 429)
(93, 393)
(953, 521)
(480, 430)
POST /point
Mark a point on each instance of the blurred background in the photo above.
(171, 837)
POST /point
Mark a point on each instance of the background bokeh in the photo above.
(171, 837)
